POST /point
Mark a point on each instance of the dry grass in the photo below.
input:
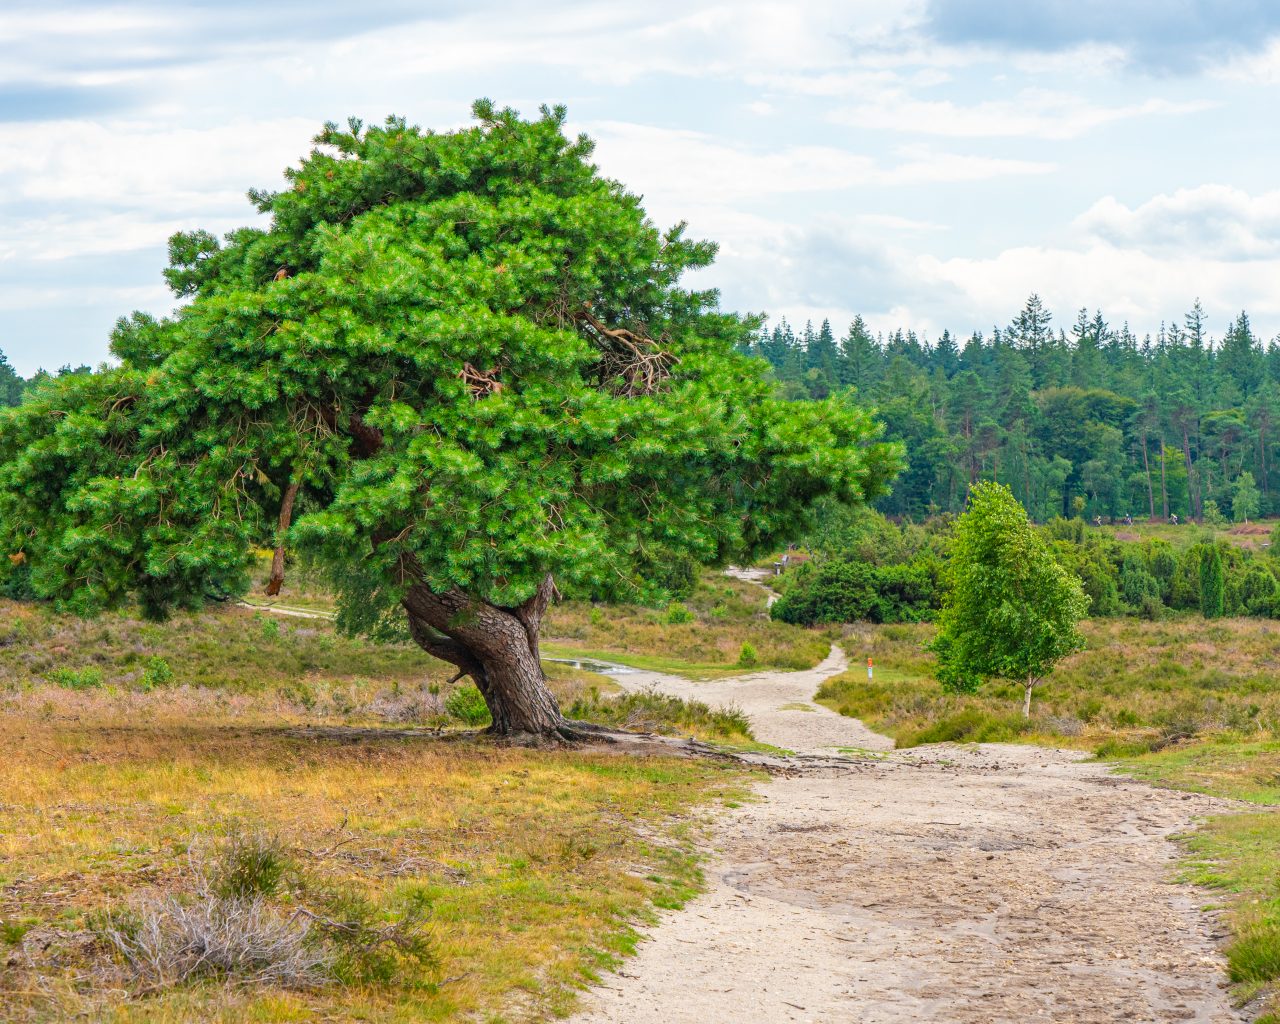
(133, 743)
(531, 866)
(723, 614)
(1138, 685)
(226, 664)
(1253, 535)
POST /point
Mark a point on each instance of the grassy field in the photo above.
(468, 881)
(1246, 535)
(722, 629)
(1183, 703)
(1138, 686)
(522, 874)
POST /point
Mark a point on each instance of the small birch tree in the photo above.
(1011, 611)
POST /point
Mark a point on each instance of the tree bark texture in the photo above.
(498, 648)
(277, 559)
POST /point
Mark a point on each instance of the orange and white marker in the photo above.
(868, 670)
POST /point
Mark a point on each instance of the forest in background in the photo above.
(1088, 421)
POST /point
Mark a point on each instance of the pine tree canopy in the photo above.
(459, 359)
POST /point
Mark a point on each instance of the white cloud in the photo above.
(155, 297)
(1036, 113)
(1126, 284)
(1208, 222)
(1261, 68)
(698, 168)
(140, 164)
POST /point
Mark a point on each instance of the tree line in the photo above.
(13, 386)
(1088, 421)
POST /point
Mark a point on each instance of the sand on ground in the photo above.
(948, 884)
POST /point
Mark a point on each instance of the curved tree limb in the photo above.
(286, 518)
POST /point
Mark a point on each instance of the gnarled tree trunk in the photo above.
(498, 648)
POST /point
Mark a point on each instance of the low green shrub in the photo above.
(843, 590)
(77, 679)
(249, 864)
(466, 704)
(157, 673)
(677, 612)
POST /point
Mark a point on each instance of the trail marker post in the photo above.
(868, 670)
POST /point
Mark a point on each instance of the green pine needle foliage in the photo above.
(469, 350)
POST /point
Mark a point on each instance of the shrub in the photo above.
(848, 591)
(1211, 582)
(249, 865)
(166, 942)
(1138, 587)
(1094, 563)
(677, 576)
(157, 673)
(367, 948)
(677, 613)
(747, 656)
(72, 679)
(15, 581)
(466, 704)
(1254, 591)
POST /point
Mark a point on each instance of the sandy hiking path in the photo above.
(943, 884)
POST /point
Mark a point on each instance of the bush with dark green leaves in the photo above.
(843, 590)
(1212, 584)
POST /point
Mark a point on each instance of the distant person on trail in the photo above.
(1128, 519)
(1173, 518)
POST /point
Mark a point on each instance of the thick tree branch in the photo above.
(631, 364)
(286, 518)
(530, 613)
(444, 647)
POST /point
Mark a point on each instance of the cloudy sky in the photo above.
(926, 163)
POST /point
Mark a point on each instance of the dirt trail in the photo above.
(943, 884)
